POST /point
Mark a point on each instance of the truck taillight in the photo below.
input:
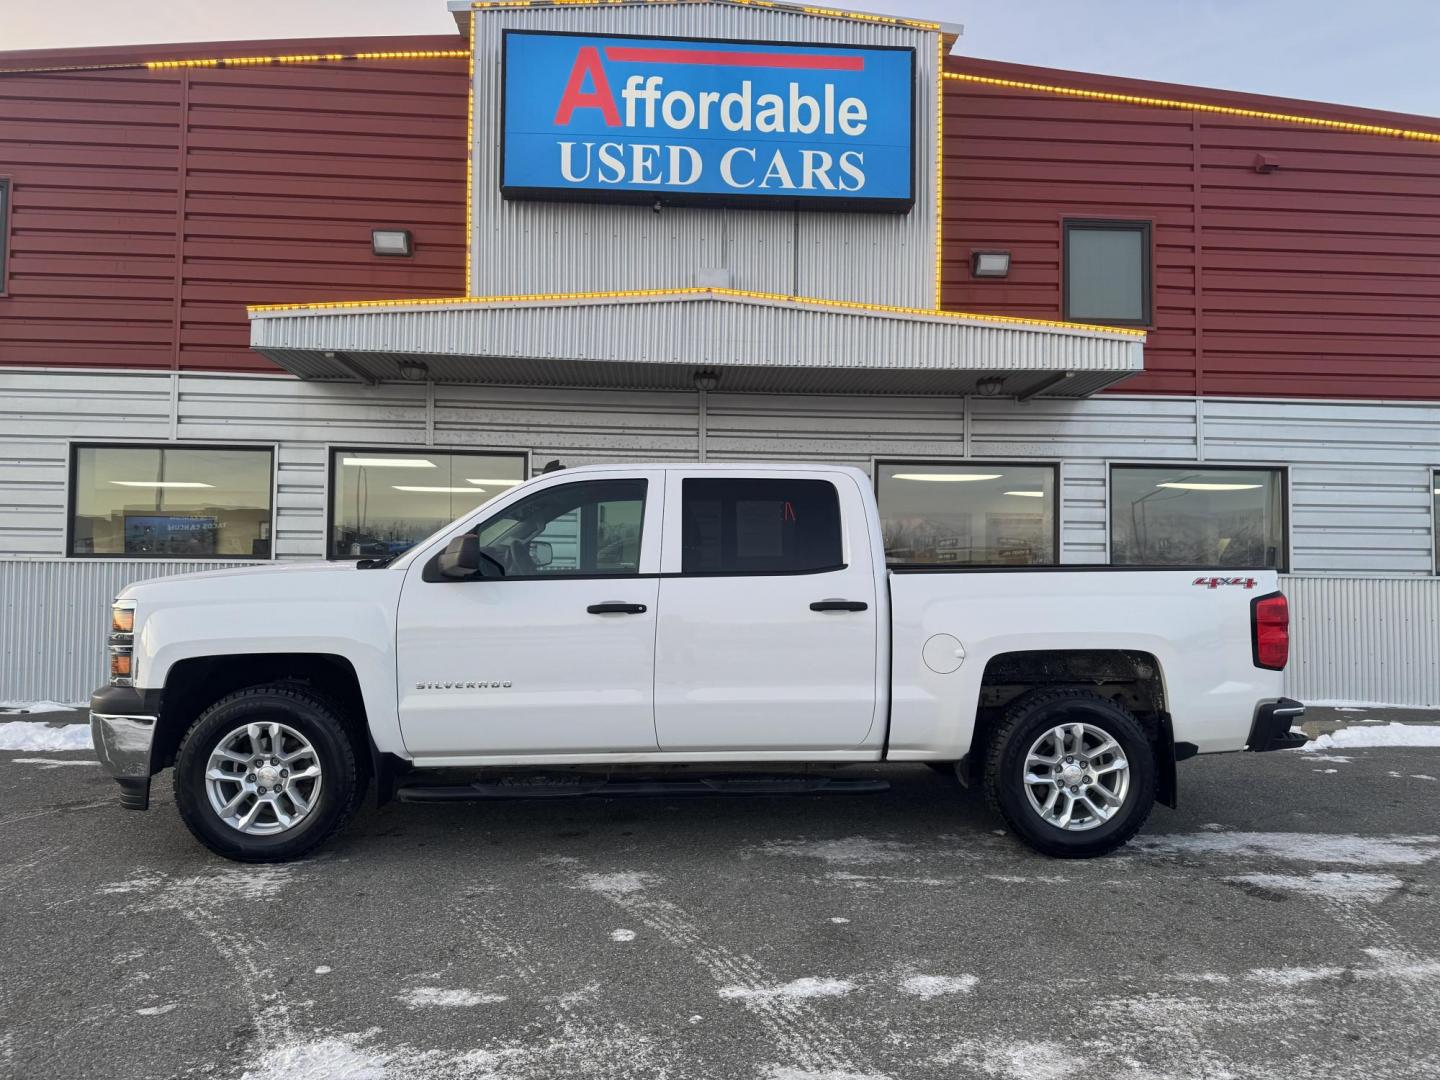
(1270, 631)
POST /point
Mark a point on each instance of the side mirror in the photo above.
(541, 553)
(460, 560)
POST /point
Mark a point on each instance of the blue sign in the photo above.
(684, 121)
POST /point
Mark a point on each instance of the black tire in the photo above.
(308, 713)
(1026, 721)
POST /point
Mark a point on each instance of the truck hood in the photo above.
(261, 576)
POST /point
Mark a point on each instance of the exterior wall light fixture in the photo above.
(413, 371)
(989, 264)
(392, 242)
(990, 387)
(706, 380)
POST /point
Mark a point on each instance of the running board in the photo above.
(549, 788)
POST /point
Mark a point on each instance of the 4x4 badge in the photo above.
(1216, 582)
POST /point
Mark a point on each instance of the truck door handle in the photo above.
(839, 605)
(616, 607)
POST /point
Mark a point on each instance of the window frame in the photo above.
(1042, 463)
(72, 458)
(1435, 521)
(1227, 466)
(7, 197)
(1146, 228)
(334, 450)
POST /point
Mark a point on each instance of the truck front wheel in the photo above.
(1071, 772)
(266, 774)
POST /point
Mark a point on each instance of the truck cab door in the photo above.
(549, 648)
(767, 639)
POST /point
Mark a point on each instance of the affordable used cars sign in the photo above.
(687, 121)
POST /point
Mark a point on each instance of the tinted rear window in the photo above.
(750, 526)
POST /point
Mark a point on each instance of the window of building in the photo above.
(1188, 515)
(752, 526)
(4, 232)
(384, 501)
(171, 502)
(1107, 272)
(967, 513)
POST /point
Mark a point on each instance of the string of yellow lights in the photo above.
(690, 290)
(1196, 106)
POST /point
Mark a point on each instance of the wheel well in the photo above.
(1131, 679)
(194, 684)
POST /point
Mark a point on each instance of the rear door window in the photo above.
(760, 526)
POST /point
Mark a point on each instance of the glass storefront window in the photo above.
(967, 513)
(383, 501)
(167, 502)
(1187, 515)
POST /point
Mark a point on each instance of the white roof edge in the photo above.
(815, 305)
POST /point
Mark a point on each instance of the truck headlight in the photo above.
(122, 644)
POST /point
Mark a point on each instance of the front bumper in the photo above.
(122, 723)
(1270, 729)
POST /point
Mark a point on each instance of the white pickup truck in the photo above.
(680, 628)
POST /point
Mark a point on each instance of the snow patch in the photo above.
(1016, 1060)
(849, 851)
(800, 988)
(147, 879)
(620, 884)
(1344, 887)
(16, 708)
(1421, 776)
(158, 1010)
(1292, 976)
(423, 997)
(1325, 770)
(622, 935)
(324, 1059)
(839, 919)
(1030, 879)
(50, 762)
(783, 1072)
(1391, 734)
(1340, 758)
(323, 969)
(33, 735)
(1297, 847)
(929, 986)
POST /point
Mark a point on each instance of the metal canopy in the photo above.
(661, 340)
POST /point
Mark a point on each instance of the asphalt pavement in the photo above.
(1283, 923)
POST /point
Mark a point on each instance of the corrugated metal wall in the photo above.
(522, 247)
(1360, 473)
(1369, 640)
(150, 207)
(54, 618)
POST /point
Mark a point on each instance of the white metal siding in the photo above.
(1371, 640)
(55, 618)
(529, 247)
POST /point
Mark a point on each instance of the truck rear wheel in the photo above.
(1071, 772)
(267, 774)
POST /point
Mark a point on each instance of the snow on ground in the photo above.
(18, 707)
(929, 986)
(850, 851)
(422, 997)
(800, 988)
(622, 935)
(1376, 735)
(32, 735)
(1297, 847)
(51, 762)
(1328, 885)
(621, 884)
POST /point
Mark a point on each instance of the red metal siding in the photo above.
(151, 207)
(1319, 279)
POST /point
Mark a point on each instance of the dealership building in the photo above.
(304, 300)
